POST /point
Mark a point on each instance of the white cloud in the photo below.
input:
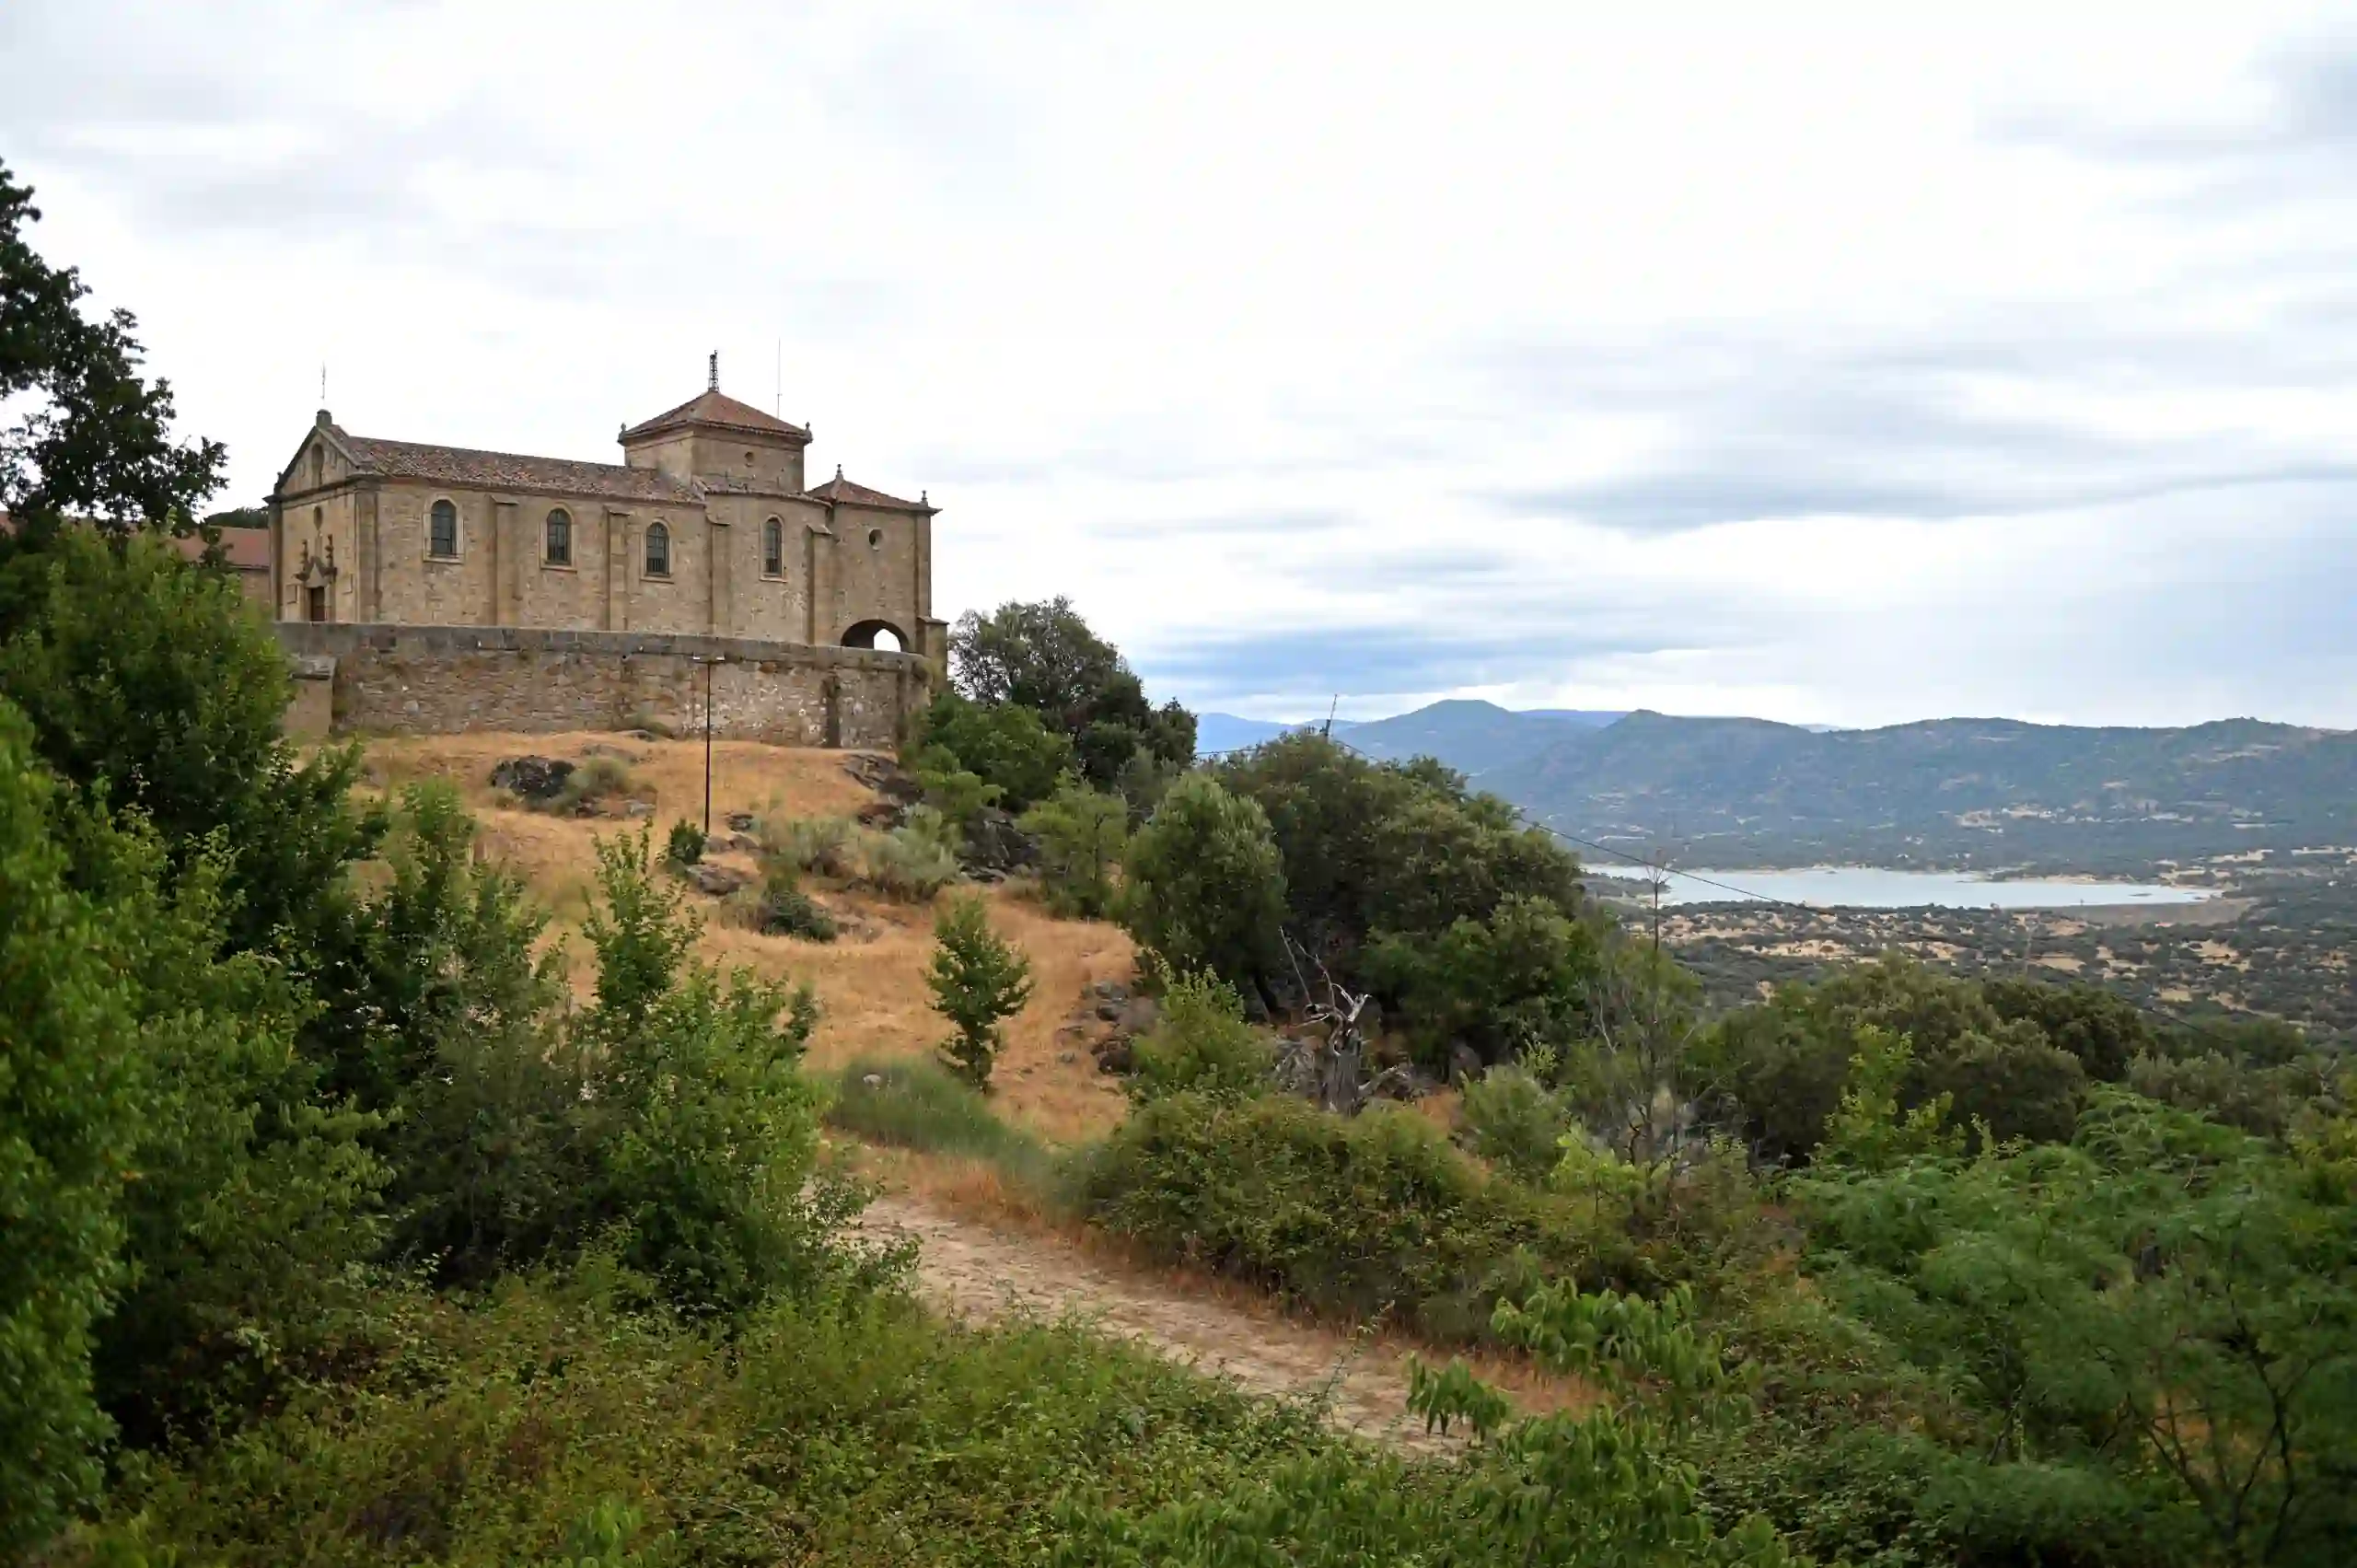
(1844, 365)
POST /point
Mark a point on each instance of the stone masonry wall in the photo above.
(446, 680)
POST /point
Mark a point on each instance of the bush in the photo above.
(1359, 1216)
(918, 1104)
(1204, 888)
(778, 907)
(596, 780)
(823, 846)
(1526, 976)
(1511, 1118)
(706, 1134)
(1082, 836)
(908, 864)
(978, 981)
(1202, 1045)
(686, 844)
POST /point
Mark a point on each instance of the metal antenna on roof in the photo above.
(323, 383)
(711, 377)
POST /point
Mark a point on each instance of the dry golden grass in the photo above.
(871, 982)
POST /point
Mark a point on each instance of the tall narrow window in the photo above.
(658, 551)
(560, 545)
(318, 465)
(773, 548)
(442, 535)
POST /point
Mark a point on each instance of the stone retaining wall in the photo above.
(447, 680)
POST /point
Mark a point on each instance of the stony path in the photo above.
(972, 1272)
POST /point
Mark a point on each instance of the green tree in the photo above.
(1044, 658)
(705, 1133)
(69, 1120)
(91, 438)
(978, 982)
(1082, 835)
(1205, 886)
(1007, 746)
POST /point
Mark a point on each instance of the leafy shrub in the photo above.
(978, 981)
(496, 1434)
(1511, 1118)
(920, 1104)
(1357, 1216)
(706, 1134)
(777, 905)
(951, 788)
(1200, 1045)
(1082, 836)
(908, 864)
(1004, 745)
(2078, 1299)
(1205, 890)
(822, 847)
(686, 844)
(596, 780)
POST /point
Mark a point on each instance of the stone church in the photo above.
(705, 529)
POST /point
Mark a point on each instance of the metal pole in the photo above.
(707, 746)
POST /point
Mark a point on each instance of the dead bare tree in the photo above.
(1328, 1063)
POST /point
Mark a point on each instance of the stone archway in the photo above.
(877, 635)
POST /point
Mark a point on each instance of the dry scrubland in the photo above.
(870, 980)
(988, 1247)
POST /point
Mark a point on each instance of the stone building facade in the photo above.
(706, 528)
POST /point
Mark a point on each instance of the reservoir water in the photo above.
(1867, 887)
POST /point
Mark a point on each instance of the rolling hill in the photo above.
(1731, 792)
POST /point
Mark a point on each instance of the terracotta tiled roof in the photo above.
(845, 492)
(511, 470)
(717, 408)
(248, 550)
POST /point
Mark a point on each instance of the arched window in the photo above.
(658, 551)
(773, 548)
(559, 543)
(442, 537)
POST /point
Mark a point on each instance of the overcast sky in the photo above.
(1846, 365)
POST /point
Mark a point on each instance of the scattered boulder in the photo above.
(740, 821)
(1067, 1057)
(1138, 1016)
(882, 815)
(1114, 1054)
(1109, 991)
(532, 778)
(871, 1080)
(1108, 1010)
(1464, 1064)
(883, 776)
(995, 845)
(638, 809)
(718, 881)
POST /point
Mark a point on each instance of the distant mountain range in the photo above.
(1471, 737)
(1735, 792)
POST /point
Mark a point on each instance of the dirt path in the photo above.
(974, 1273)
